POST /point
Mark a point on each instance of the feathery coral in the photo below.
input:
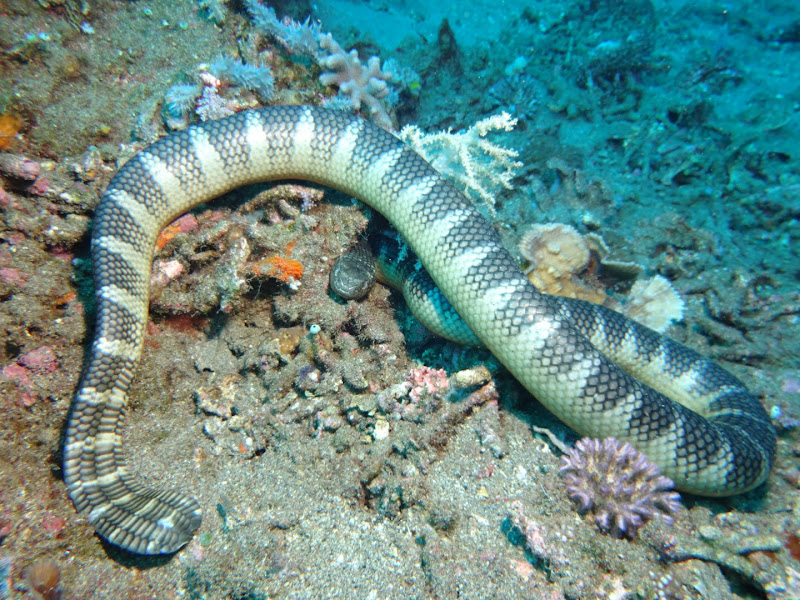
(481, 167)
(618, 484)
(214, 10)
(179, 104)
(250, 77)
(302, 38)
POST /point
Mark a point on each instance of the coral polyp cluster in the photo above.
(618, 484)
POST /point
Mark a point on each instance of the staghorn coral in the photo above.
(618, 484)
(361, 85)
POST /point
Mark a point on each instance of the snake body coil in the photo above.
(353, 273)
(714, 439)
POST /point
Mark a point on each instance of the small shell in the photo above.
(655, 303)
(43, 577)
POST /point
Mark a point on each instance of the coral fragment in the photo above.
(10, 125)
(279, 267)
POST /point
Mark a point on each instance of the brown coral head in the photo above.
(556, 246)
(618, 485)
(43, 577)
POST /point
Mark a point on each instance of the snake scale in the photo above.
(713, 437)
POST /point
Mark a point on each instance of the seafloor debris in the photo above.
(746, 544)
(691, 579)
(631, 152)
(11, 124)
(542, 545)
(654, 302)
(19, 168)
(557, 254)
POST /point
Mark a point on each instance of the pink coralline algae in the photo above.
(618, 484)
(165, 271)
(13, 276)
(19, 168)
(18, 374)
(426, 380)
(40, 360)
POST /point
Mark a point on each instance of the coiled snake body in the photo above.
(713, 438)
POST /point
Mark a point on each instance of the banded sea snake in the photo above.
(713, 438)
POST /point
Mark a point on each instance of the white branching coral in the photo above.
(363, 86)
(481, 167)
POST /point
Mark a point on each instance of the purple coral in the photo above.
(618, 484)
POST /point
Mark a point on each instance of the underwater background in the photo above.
(640, 154)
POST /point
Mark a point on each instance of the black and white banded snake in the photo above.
(712, 438)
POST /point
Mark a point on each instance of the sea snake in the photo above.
(713, 438)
